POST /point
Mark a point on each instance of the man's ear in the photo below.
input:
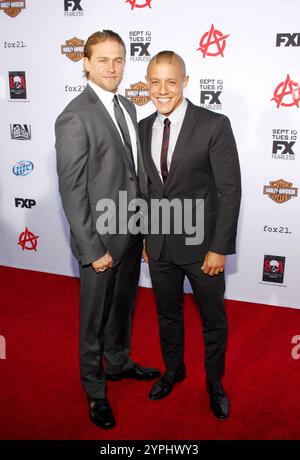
(185, 81)
(86, 64)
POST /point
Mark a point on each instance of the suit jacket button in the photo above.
(131, 178)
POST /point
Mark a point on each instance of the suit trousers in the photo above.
(168, 280)
(106, 308)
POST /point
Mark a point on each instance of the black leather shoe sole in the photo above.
(132, 375)
(101, 424)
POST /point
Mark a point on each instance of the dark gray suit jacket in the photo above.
(204, 165)
(91, 165)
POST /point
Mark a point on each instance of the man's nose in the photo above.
(163, 88)
(110, 66)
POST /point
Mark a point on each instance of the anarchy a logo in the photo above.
(139, 3)
(28, 240)
(215, 39)
(287, 93)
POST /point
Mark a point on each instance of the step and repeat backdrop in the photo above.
(243, 59)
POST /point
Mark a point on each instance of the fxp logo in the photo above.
(213, 40)
(287, 93)
(139, 3)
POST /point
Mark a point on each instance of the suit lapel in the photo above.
(183, 138)
(148, 160)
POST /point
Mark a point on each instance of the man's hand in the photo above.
(213, 263)
(145, 254)
(103, 263)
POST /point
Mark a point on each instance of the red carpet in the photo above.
(41, 395)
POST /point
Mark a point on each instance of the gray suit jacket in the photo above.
(92, 165)
(204, 165)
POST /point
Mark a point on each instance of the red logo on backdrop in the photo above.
(17, 82)
(287, 93)
(28, 240)
(136, 4)
(213, 38)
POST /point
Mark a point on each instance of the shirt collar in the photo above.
(175, 116)
(106, 97)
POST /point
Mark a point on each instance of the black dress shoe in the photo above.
(219, 401)
(101, 413)
(136, 372)
(164, 385)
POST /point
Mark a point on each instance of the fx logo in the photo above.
(74, 4)
(283, 147)
(288, 39)
(140, 49)
(24, 203)
(211, 96)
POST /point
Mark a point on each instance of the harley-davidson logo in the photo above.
(280, 191)
(12, 9)
(138, 93)
(73, 49)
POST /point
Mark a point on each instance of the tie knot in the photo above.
(167, 122)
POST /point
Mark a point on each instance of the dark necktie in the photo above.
(164, 150)
(119, 114)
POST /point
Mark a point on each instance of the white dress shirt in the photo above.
(176, 119)
(106, 97)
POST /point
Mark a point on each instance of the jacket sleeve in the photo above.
(226, 170)
(72, 157)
